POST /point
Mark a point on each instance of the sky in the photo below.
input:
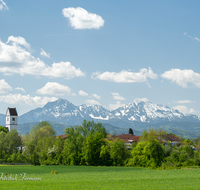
(100, 52)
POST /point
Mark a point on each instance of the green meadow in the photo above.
(90, 177)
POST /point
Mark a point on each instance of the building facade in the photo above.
(11, 118)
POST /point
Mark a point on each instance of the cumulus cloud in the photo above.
(184, 101)
(26, 99)
(82, 93)
(126, 76)
(20, 88)
(15, 58)
(4, 87)
(17, 41)
(115, 106)
(182, 77)
(44, 53)
(116, 96)
(184, 109)
(54, 88)
(96, 96)
(92, 102)
(3, 5)
(79, 18)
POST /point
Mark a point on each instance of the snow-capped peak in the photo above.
(139, 110)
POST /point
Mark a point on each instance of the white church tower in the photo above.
(11, 118)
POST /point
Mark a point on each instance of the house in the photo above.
(62, 136)
(11, 118)
(128, 138)
(172, 139)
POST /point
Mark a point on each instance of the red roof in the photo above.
(62, 136)
(173, 138)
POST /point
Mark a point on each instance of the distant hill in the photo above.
(60, 128)
(25, 127)
(169, 127)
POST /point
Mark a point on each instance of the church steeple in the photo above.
(11, 118)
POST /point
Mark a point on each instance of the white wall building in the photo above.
(11, 118)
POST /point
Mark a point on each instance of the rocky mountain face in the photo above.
(62, 111)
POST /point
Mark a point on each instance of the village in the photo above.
(90, 144)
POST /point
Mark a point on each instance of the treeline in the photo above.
(89, 144)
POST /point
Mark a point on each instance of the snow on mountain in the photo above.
(148, 112)
(63, 111)
(95, 111)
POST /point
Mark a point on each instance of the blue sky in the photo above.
(104, 52)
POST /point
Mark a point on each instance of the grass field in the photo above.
(88, 177)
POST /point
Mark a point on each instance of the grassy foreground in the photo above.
(87, 177)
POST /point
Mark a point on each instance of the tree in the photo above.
(130, 131)
(43, 147)
(72, 153)
(118, 152)
(105, 153)
(89, 127)
(37, 134)
(92, 149)
(2, 143)
(76, 138)
(12, 141)
(59, 147)
(147, 154)
(158, 134)
(3, 129)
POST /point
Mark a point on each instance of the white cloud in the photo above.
(96, 96)
(17, 59)
(26, 99)
(92, 102)
(182, 77)
(73, 94)
(82, 93)
(17, 41)
(126, 76)
(44, 53)
(19, 88)
(79, 18)
(195, 38)
(115, 106)
(184, 109)
(3, 5)
(116, 96)
(185, 33)
(141, 99)
(54, 88)
(4, 87)
(184, 101)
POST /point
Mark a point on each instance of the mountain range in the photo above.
(63, 111)
(138, 115)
